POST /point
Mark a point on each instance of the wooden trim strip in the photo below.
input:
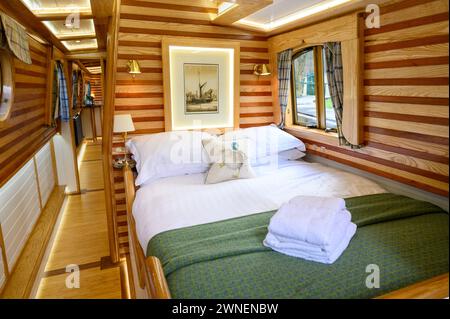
(143, 70)
(256, 93)
(26, 85)
(23, 155)
(408, 24)
(148, 119)
(123, 43)
(407, 100)
(30, 73)
(193, 34)
(29, 97)
(407, 63)
(402, 5)
(144, 17)
(135, 95)
(38, 63)
(256, 83)
(409, 152)
(61, 271)
(408, 118)
(255, 61)
(19, 125)
(255, 104)
(254, 124)
(143, 57)
(249, 49)
(139, 82)
(168, 6)
(408, 135)
(139, 107)
(437, 39)
(382, 161)
(23, 111)
(148, 131)
(33, 129)
(379, 172)
(243, 115)
(407, 81)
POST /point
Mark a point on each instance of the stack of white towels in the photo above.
(313, 228)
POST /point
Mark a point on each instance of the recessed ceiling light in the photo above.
(323, 6)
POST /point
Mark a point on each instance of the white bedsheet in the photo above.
(182, 201)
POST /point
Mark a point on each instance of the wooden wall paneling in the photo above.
(26, 130)
(107, 134)
(353, 68)
(406, 99)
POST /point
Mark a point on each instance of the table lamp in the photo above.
(123, 123)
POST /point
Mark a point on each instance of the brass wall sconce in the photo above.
(261, 69)
(133, 67)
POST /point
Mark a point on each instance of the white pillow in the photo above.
(229, 160)
(265, 141)
(168, 154)
(291, 155)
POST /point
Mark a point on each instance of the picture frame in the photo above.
(182, 88)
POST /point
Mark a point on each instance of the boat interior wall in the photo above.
(406, 107)
(142, 27)
(398, 101)
(23, 198)
(26, 129)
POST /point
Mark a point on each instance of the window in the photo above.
(312, 103)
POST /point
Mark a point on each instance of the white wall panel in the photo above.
(45, 172)
(19, 210)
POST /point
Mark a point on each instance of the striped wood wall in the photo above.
(406, 98)
(142, 25)
(96, 88)
(25, 131)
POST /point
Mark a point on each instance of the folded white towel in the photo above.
(326, 257)
(308, 218)
(341, 225)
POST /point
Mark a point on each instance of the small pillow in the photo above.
(229, 160)
(291, 155)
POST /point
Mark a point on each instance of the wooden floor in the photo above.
(82, 240)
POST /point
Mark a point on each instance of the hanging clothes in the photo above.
(63, 96)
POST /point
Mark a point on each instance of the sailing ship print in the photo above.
(201, 85)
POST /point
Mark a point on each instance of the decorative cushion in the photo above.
(229, 160)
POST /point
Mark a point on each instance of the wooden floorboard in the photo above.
(82, 240)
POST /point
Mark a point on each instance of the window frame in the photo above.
(319, 89)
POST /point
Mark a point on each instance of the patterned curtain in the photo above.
(284, 79)
(333, 56)
(63, 96)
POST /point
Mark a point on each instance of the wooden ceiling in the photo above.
(50, 21)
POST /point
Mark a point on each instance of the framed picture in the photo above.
(201, 84)
(201, 88)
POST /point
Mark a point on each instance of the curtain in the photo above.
(16, 37)
(335, 76)
(284, 79)
(63, 96)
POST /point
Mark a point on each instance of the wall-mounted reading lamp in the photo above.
(261, 69)
(133, 67)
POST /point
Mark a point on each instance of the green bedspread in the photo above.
(407, 239)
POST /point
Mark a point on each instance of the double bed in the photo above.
(197, 240)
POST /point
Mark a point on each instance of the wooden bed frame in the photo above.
(151, 277)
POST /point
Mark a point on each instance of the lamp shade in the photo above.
(123, 123)
(133, 67)
(261, 69)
